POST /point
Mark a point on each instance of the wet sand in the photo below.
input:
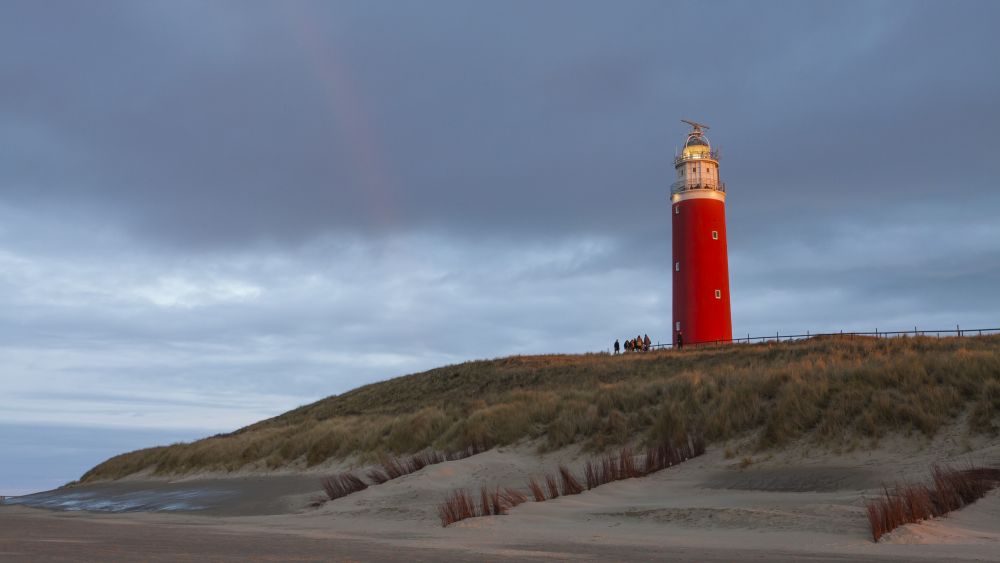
(235, 496)
(38, 535)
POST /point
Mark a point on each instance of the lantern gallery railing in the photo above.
(697, 184)
(696, 155)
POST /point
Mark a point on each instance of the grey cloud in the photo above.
(244, 122)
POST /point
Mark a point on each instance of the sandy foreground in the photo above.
(799, 505)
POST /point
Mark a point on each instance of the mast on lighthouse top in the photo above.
(697, 165)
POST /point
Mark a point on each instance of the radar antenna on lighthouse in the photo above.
(697, 126)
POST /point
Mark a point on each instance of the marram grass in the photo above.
(836, 390)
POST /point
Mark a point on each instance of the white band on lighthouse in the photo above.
(698, 194)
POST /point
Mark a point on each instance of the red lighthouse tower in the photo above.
(701, 262)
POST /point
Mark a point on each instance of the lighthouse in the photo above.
(701, 263)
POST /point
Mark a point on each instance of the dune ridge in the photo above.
(840, 392)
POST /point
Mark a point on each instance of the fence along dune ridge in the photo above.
(459, 504)
(778, 337)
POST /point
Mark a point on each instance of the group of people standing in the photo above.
(637, 344)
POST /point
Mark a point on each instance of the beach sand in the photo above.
(800, 504)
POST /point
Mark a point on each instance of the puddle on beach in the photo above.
(135, 501)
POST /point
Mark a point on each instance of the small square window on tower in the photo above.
(715, 235)
(677, 326)
(677, 266)
(677, 210)
(718, 294)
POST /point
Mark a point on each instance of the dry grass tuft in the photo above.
(626, 465)
(468, 451)
(570, 486)
(342, 485)
(513, 497)
(536, 490)
(553, 486)
(492, 502)
(395, 467)
(590, 473)
(458, 506)
(484, 502)
(908, 504)
(498, 503)
(378, 476)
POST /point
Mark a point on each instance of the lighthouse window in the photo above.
(715, 235)
(677, 210)
(677, 266)
(677, 325)
(718, 294)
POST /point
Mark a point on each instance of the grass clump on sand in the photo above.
(598, 471)
(492, 502)
(836, 389)
(950, 490)
(342, 484)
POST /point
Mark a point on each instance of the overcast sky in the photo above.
(212, 212)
